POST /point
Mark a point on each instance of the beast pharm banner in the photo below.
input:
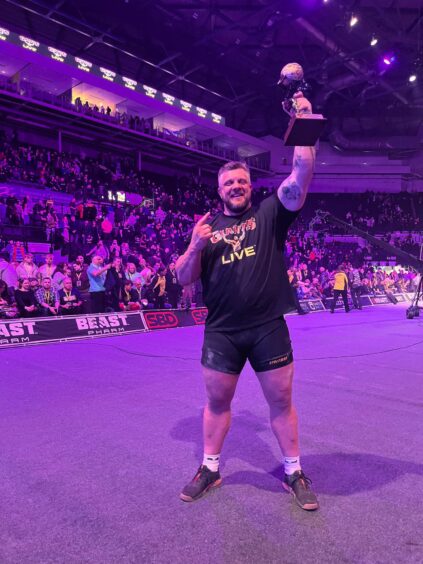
(169, 319)
(54, 329)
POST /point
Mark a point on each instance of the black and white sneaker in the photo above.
(298, 485)
(203, 482)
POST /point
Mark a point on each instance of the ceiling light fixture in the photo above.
(412, 78)
(353, 20)
(388, 60)
(373, 41)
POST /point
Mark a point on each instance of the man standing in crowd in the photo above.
(114, 284)
(97, 277)
(293, 281)
(340, 288)
(355, 287)
(173, 287)
(47, 298)
(158, 287)
(239, 256)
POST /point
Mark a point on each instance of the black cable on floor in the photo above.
(148, 355)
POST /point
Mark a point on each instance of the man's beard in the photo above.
(240, 207)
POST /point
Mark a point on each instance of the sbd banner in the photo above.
(171, 318)
(53, 329)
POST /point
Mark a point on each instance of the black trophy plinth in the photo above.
(304, 130)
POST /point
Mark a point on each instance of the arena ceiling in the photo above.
(225, 55)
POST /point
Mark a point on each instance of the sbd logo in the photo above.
(159, 320)
(199, 316)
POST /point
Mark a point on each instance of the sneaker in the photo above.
(299, 486)
(202, 482)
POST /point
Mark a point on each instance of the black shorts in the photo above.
(267, 347)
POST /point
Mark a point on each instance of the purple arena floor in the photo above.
(98, 437)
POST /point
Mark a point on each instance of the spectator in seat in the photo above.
(97, 277)
(100, 250)
(34, 284)
(7, 272)
(146, 274)
(131, 272)
(114, 249)
(7, 307)
(48, 268)
(25, 299)
(140, 292)
(27, 268)
(129, 298)
(70, 299)
(79, 274)
(62, 271)
(47, 298)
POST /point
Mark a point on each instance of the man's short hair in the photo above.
(234, 165)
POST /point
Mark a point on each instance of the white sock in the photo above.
(291, 464)
(211, 461)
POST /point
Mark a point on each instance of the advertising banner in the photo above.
(171, 318)
(55, 329)
(312, 305)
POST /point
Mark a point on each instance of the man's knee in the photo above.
(219, 398)
(281, 399)
(278, 390)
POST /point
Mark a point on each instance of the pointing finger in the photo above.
(203, 220)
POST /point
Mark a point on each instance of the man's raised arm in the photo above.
(293, 190)
(188, 265)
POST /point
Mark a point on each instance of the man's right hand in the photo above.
(201, 234)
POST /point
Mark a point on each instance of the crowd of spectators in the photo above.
(79, 175)
(119, 278)
(127, 252)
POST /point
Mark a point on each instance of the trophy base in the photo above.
(304, 130)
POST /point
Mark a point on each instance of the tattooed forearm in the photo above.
(291, 191)
(304, 157)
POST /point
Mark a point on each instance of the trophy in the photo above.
(304, 129)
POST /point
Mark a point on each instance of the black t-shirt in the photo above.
(73, 297)
(245, 283)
